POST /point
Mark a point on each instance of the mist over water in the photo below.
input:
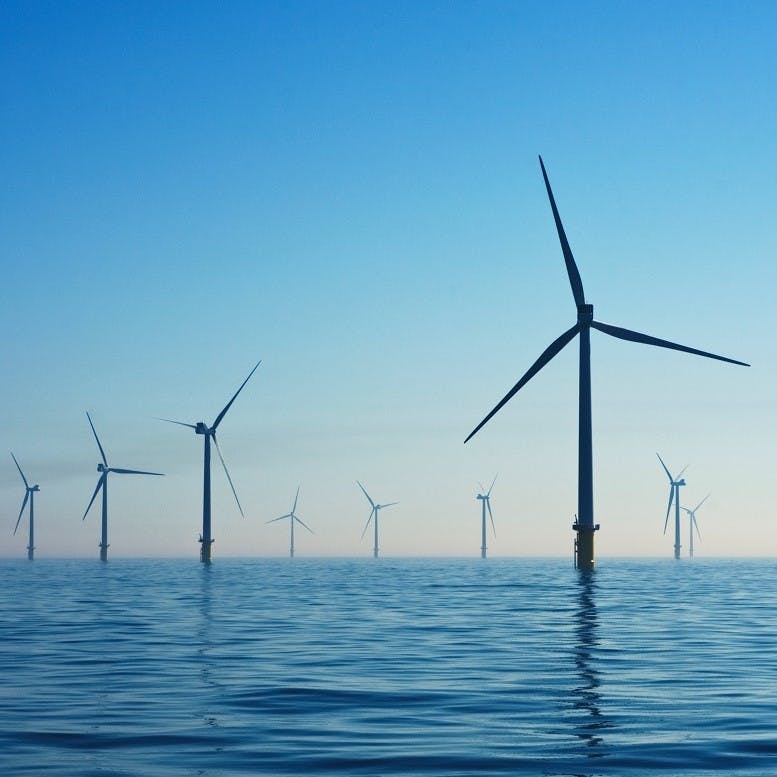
(388, 667)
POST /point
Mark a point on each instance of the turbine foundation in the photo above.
(103, 552)
(205, 550)
(584, 546)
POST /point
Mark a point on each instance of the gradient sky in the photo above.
(350, 192)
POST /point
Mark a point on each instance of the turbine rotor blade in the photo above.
(572, 271)
(229, 404)
(170, 421)
(224, 464)
(390, 504)
(544, 358)
(100, 483)
(680, 473)
(135, 472)
(299, 520)
(102, 452)
(637, 337)
(366, 525)
(369, 498)
(668, 473)
(491, 516)
(295, 501)
(701, 503)
(668, 507)
(26, 484)
(492, 485)
(21, 512)
(288, 515)
(696, 526)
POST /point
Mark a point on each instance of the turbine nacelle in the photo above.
(36, 487)
(585, 314)
(680, 482)
(102, 468)
(201, 428)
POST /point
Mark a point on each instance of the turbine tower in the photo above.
(373, 512)
(292, 516)
(692, 523)
(102, 483)
(674, 493)
(584, 526)
(209, 433)
(29, 495)
(485, 499)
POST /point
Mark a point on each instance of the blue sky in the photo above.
(351, 193)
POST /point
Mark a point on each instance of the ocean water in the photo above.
(389, 667)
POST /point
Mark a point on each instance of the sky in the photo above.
(350, 192)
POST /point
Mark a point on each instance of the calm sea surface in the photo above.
(394, 667)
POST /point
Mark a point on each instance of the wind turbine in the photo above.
(373, 512)
(692, 523)
(485, 498)
(102, 483)
(293, 517)
(584, 526)
(209, 433)
(28, 495)
(674, 493)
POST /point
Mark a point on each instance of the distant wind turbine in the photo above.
(292, 516)
(102, 483)
(485, 498)
(29, 495)
(692, 523)
(675, 484)
(209, 433)
(373, 512)
(584, 526)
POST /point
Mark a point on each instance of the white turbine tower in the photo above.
(29, 496)
(376, 508)
(292, 516)
(674, 494)
(692, 523)
(485, 499)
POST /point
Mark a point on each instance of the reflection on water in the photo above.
(585, 696)
(204, 642)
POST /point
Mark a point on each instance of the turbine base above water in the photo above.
(206, 552)
(584, 546)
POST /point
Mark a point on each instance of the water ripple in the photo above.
(395, 667)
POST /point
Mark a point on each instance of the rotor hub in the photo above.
(585, 314)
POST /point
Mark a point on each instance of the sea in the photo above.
(165, 668)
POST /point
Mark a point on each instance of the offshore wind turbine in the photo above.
(102, 484)
(376, 508)
(209, 433)
(675, 483)
(292, 516)
(29, 495)
(584, 526)
(692, 523)
(485, 499)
